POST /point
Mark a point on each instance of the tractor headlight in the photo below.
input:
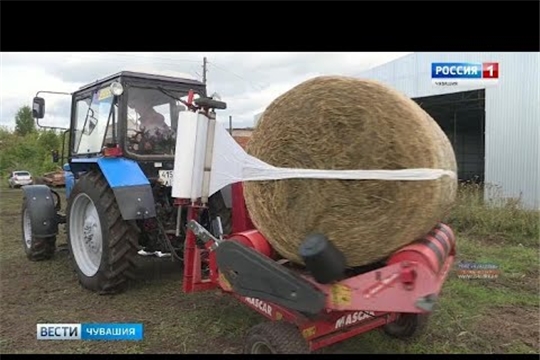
(117, 89)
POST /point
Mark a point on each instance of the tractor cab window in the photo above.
(152, 118)
(92, 121)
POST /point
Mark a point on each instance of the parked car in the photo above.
(54, 178)
(20, 178)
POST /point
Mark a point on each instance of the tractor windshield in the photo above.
(93, 114)
(152, 118)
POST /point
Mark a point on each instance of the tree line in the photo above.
(28, 147)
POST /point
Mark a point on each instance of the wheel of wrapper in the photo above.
(407, 326)
(275, 338)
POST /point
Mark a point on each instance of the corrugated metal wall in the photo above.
(512, 134)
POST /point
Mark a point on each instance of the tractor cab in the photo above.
(134, 115)
(129, 114)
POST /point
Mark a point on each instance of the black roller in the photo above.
(325, 262)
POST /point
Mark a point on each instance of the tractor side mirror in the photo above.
(38, 108)
(55, 156)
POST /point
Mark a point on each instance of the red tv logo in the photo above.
(490, 70)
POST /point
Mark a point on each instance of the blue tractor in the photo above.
(118, 179)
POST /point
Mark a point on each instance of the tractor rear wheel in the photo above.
(103, 246)
(407, 326)
(276, 337)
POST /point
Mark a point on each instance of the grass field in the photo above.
(474, 316)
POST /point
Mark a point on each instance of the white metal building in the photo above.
(495, 131)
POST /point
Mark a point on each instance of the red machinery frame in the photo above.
(412, 275)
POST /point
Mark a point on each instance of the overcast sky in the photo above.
(248, 82)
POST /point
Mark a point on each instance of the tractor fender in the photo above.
(130, 185)
(41, 207)
(69, 179)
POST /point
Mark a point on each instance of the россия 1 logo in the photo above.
(464, 74)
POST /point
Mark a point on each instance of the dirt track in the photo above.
(473, 317)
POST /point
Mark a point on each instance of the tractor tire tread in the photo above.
(123, 241)
(42, 249)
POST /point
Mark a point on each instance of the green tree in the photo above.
(24, 121)
(49, 140)
(31, 152)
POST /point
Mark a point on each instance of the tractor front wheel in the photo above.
(36, 249)
(103, 246)
(276, 337)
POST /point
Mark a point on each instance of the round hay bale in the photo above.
(342, 123)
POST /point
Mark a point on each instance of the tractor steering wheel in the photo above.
(144, 142)
(140, 142)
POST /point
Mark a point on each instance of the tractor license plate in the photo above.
(166, 176)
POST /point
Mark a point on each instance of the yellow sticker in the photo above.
(225, 284)
(104, 93)
(279, 315)
(340, 295)
(309, 332)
